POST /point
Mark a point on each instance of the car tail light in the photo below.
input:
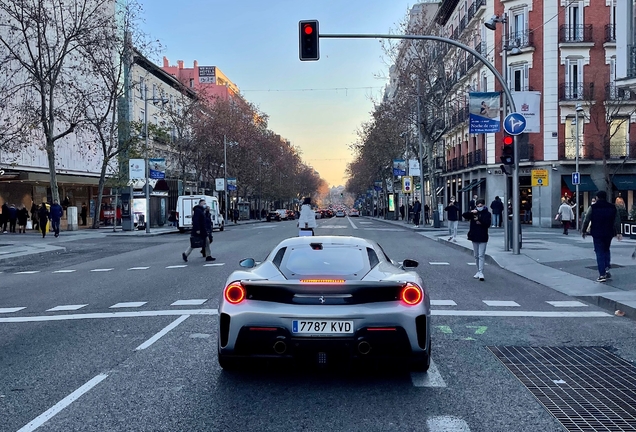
(411, 294)
(235, 293)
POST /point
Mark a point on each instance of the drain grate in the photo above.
(584, 388)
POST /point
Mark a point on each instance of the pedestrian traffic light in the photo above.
(309, 40)
(508, 151)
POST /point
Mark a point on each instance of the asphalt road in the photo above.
(131, 343)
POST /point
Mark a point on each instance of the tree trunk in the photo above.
(50, 152)
(100, 194)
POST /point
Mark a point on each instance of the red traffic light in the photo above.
(508, 140)
(308, 29)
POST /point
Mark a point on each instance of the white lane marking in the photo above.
(127, 305)
(447, 424)
(139, 268)
(66, 308)
(193, 302)
(351, 222)
(177, 266)
(129, 314)
(11, 310)
(432, 378)
(566, 303)
(443, 303)
(366, 223)
(501, 303)
(333, 226)
(473, 264)
(214, 265)
(384, 229)
(64, 271)
(439, 263)
(51, 412)
(102, 270)
(531, 314)
(28, 272)
(162, 333)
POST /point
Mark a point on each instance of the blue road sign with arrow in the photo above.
(576, 178)
(514, 123)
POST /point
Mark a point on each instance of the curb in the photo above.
(610, 305)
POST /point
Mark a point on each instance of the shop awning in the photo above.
(624, 182)
(473, 184)
(587, 185)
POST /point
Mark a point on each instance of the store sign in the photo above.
(136, 169)
(207, 74)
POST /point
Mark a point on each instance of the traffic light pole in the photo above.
(508, 96)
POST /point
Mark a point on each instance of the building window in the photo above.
(141, 87)
(574, 88)
(191, 82)
(519, 28)
(154, 91)
(570, 137)
(142, 116)
(574, 22)
(618, 137)
(484, 82)
(519, 77)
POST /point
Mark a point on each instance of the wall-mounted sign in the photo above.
(136, 169)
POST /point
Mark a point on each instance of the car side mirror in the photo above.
(409, 263)
(247, 263)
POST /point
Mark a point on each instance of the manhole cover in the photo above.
(584, 388)
(614, 266)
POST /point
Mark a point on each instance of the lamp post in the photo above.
(146, 161)
(492, 25)
(225, 173)
(579, 109)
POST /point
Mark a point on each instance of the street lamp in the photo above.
(146, 99)
(491, 24)
(579, 109)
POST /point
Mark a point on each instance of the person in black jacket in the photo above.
(199, 232)
(606, 223)
(453, 219)
(208, 228)
(43, 218)
(23, 216)
(497, 210)
(480, 220)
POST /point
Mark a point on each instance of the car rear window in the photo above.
(330, 260)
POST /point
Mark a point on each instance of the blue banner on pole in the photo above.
(484, 114)
(399, 167)
(157, 168)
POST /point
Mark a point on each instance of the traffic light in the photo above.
(308, 40)
(508, 151)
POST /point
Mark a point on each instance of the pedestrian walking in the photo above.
(307, 219)
(453, 219)
(199, 237)
(84, 214)
(480, 220)
(565, 215)
(427, 210)
(527, 214)
(34, 216)
(606, 224)
(235, 215)
(4, 217)
(472, 204)
(43, 218)
(402, 212)
(417, 210)
(56, 213)
(13, 218)
(23, 217)
(496, 207)
(208, 228)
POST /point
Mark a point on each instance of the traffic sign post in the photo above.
(514, 124)
(576, 179)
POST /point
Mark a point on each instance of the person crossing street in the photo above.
(480, 220)
(606, 224)
(199, 237)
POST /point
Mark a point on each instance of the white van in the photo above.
(185, 204)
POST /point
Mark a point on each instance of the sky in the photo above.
(255, 44)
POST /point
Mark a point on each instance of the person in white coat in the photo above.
(307, 219)
(566, 215)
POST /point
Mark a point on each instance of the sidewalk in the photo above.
(19, 245)
(564, 263)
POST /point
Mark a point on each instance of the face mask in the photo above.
(480, 208)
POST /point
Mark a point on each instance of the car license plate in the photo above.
(322, 327)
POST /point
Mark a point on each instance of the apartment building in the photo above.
(567, 52)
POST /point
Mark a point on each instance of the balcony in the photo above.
(610, 33)
(594, 151)
(452, 164)
(440, 163)
(478, 158)
(455, 34)
(576, 91)
(463, 23)
(613, 93)
(619, 150)
(575, 33)
(521, 39)
(470, 61)
(526, 152)
(478, 4)
(462, 162)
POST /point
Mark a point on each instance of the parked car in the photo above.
(282, 213)
(354, 213)
(273, 216)
(340, 213)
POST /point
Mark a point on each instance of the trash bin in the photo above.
(436, 222)
(510, 235)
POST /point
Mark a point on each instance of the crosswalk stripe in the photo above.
(447, 424)
(176, 266)
(28, 272)
(127, 305)
(193, 302)
(501, 303)
(11, 310)
(432, 378)
(566, 303)
(443, 303)
(66, 308)
(64, 271)
(102, 270)
(214, 265)
(439, 263)
(139, 268)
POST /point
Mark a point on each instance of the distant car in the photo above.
(325, 299)
(354, 213)
(282, 213)
(291, 215)
(273, 216)
(340, 213)
(318, 214)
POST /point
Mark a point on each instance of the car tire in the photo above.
(181, 230)
(423, 363)
(222, 227)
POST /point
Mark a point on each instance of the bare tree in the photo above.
(46, 40)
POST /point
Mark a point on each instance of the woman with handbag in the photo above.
(565, 215)
(307, 219)
(480, 220)
(199, 237)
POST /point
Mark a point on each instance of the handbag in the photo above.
(557, 217)
(197, 242)
(29, 225)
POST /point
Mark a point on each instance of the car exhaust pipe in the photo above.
(364, 347)
(280, 347)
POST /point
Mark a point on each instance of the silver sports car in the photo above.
(325, 299)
